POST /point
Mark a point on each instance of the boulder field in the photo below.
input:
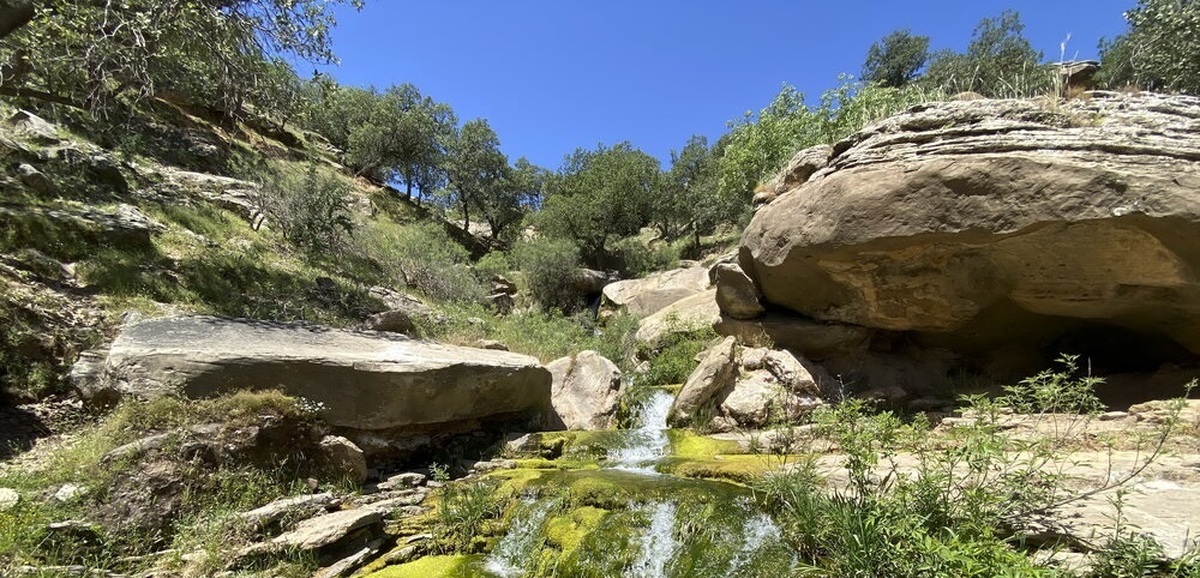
(991, 235)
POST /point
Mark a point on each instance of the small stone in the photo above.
(475, 321)
(1113, 415)
(9, 498)
(70, 492)
(493, 345)
(403, 480)
(35, 179)
(343, 458)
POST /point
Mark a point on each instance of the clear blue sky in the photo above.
(553, 75)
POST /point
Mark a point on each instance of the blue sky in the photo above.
(551, 76)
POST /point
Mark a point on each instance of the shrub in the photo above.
(550, 266)
(641, 258)
(492, 264)
(464, 511)
(311, 211)
(960, 508)
(422, 257)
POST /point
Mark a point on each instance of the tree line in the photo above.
(109, 58)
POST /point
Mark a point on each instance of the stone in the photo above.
(415, 309)
(492, 344)
(737, 295)
(585, 392)
(716, 372)
(300, 506)
(800, 169)
(392, 321)
(738, 387)
(326, 530)
(973, 224)
(9, 498)
(342, 459)
(650, 294)
(70, 492)
(35, 127)
(813, 339)
(403, 480)
(699, 311)
(589, 281)
(361, 381)
(35, 179)
(349, 564)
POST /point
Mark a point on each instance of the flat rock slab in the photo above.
(650, 294)
(361, 380)
(316, 533)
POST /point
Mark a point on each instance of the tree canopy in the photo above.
(896, 59)
(1161, 50)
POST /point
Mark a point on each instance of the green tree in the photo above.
(105, 55)
(1161, 50)
(896, 59)
(687, 200)
(999, 61)
(479, 178)
(405, 139)
(599, 195)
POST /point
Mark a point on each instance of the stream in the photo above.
(628, 519)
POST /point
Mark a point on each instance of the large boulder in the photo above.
(972, 224)
(585, 393)
(360, 380)
(749, 387)
(700, 311)
(650, 294)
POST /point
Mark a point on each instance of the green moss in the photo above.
(689, 444)
(430, 567)
(598, 492)
(566, 532)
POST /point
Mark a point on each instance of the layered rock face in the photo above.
(970, 224)
(362, 380)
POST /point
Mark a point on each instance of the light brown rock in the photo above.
(316, 533)
(364, 381)
(737, 295)
(717, 371)
(650, 294)
(585, 392)
(995, 221)
(342, 459)
(696, 312)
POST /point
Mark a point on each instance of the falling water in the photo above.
(658, 543)
(514, 549)
(757, 532)
(649, 442)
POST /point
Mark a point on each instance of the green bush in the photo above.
(962, 505)
(311, 211)
(674, 362)
(492, 264)
(423, 257)
(641, 258)
(550, 266)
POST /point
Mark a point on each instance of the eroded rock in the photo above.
(650, 294)
(585, 392)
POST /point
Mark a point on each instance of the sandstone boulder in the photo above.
(689, 314)
(802, 167)
(586, 392)
(737, 295)
(650, 294)
(363, 381)
(975, 223)
(738, 387)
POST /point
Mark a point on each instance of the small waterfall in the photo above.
(649, 442)
(757, 532)
(515, 548)
(658, 543)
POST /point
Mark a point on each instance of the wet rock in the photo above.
(585, 392)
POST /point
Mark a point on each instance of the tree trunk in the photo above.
(14, 14)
